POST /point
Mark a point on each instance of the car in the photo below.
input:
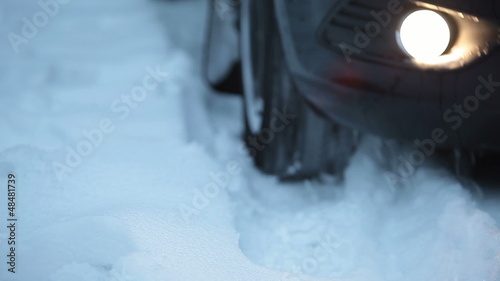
(316, 75)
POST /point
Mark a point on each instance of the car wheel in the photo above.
(283, 133)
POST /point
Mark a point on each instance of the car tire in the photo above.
(283, 133)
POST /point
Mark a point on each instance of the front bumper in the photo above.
(385, 99)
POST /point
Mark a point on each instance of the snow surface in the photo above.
(122, 212)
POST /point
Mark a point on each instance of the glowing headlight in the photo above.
(424, 35)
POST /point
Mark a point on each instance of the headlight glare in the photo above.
(424, 35)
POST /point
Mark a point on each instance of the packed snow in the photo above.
(128, 168)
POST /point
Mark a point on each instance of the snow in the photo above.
(166, 193)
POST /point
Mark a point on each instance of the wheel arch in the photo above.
(222, 19)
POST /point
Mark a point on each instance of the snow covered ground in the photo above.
(129, 169)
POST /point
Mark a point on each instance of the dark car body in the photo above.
(350, 61)
(379, 89)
